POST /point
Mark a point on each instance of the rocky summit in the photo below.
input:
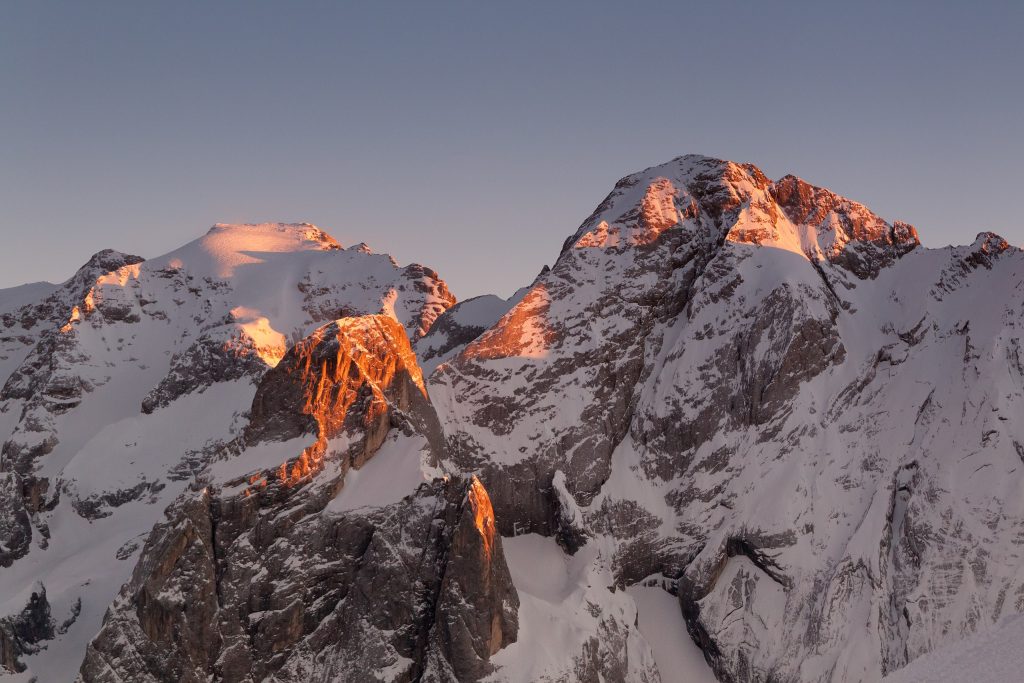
(740, 430)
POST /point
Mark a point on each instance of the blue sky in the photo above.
(474, 137)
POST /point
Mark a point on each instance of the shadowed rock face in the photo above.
(476, 607)
(15, 523)
(23, 633)
(417, 588)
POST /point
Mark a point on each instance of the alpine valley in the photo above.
(740, 430)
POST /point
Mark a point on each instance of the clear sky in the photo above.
(474, 137)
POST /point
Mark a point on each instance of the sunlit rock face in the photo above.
(352, 379)
(837, 221)
(365, 360)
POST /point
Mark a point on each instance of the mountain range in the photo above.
(739, 430)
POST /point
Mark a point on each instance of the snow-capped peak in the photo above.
(716, 199)
(227, 246)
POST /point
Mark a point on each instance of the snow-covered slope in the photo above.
(566, 610)
(13, 298)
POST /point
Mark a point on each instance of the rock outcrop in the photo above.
(24, 632)
(416, 590)
(260, 576)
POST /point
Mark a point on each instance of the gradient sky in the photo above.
(474, 137)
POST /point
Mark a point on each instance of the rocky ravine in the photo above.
(754, 396)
